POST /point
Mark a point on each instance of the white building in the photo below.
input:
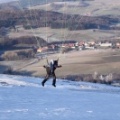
(107, 44)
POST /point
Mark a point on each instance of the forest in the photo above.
(39, 18)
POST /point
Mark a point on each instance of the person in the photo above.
(50, 69)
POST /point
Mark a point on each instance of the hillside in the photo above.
(82, 7)
(24, 98)
(86, 7)
(35, 20)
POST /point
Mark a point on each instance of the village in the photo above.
(68, 45)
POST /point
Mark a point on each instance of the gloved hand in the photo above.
(44, 66)
(60, 66)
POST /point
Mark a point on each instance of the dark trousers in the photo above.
(47, 77)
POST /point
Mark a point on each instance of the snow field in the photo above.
(23, 98)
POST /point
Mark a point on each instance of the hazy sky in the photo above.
(3, 1)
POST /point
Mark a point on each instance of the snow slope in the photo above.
(23, 98)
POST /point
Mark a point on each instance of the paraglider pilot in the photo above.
(50, 69)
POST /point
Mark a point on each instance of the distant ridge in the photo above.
(14, 5)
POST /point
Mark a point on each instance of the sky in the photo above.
(4, 1)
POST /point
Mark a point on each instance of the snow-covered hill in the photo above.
(23, 98)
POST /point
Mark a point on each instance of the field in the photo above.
(65, 34)
(74, 63)
(86, 62)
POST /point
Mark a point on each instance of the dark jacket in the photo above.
(51, 70)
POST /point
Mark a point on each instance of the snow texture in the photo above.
(23, 98)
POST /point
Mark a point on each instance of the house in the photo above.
(39, 50)
(106, 44)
